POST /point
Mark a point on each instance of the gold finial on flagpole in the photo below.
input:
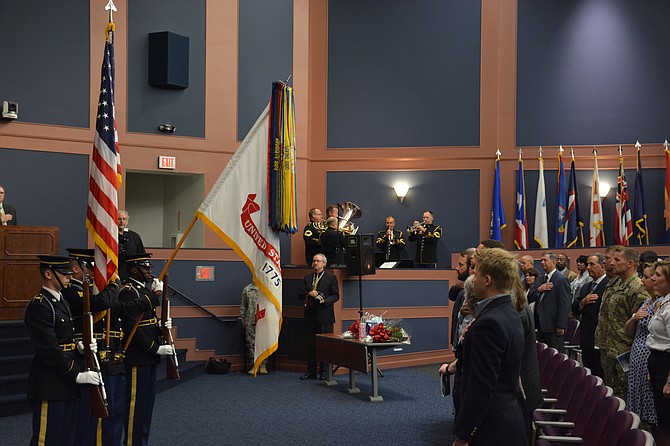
(638, 145)
(620, 152)
(572, 153)
(520, 153)
(665, 144)
(595, 151)
(560, 150)
(540, 151)
(498, 153)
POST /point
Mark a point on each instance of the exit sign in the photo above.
(204, 273)
(167, 162)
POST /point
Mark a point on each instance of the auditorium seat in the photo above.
(548, 371)
(554, 386)
(617, 425)
(636, 437)
(569, 412)
(567, 389)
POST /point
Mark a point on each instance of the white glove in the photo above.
(165, 350)
(168, 323)
(82, 350)
(89, 377)
(156, 285)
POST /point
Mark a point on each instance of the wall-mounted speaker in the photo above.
(360, 254)
(168, 60)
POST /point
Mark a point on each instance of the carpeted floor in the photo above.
(280, 409)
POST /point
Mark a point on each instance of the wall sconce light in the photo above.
(604, 189)
(401, 190)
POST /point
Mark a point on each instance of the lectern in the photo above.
(19, 265)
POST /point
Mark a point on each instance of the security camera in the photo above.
(10, 110)
(167, 128)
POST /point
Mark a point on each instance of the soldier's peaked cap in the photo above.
(81, 254)
(142, 258)
(57, 263)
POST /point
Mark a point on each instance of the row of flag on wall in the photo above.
(630, 226)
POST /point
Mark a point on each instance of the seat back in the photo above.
(592, 429)
(547, 374)
(560, 376)
(544, 355)
(615, 428)
(636, 437)
(570, 331)
(584, 398)
(572, 381)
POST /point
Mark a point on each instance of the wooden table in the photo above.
(352, 354)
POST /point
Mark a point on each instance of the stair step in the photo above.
(11, 365)
(14, 385)
(13, 405)
(13, 329)
(15, 346)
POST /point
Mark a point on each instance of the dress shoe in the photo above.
(308, 376)
(322, 376)
(263, 370)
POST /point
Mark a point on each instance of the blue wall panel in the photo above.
(148, 106)
(395, 293)
(265, 56)
(48, 189)
(592, 72)
(403, 73)
(452, 195)
(45, 60)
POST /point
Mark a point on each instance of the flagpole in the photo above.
(177, 248)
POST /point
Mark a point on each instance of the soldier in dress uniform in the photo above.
(140, 298)
(391, 241)
(58, 365)
(426, 235)
(311, 235)
(82, 264)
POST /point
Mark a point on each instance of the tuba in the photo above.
(349, 212)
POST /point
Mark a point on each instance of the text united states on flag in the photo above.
(103, 183)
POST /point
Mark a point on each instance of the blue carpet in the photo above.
(280, 409)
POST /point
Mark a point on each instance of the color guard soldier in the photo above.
(139, 298)
(391, 241)
(311, 234)
(58, 365)
(426, 235)
(82, 264)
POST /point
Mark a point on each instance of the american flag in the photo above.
(105, 178)
(623, 223)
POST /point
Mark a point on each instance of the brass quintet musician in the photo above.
(391, 241)
(426, 235)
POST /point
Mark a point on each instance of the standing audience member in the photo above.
(319, 292)
(552, 304)
(7, 212)
(582, 279)
(625, 298)
(640, 399)
(646, 258)
(658, 343)
(460, 314)
(490, 358)
(248, 318)
(562, 267)
(311, 235)
(587, 306)
(426, 235)
(58, 365)
(333, 244)
(140, 298)
(530, 277)
(130, 243)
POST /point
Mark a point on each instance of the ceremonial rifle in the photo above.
(171, 363)
(98, 394)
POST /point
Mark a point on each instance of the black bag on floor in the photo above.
(217, 366)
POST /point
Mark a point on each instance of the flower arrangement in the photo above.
(378, 330)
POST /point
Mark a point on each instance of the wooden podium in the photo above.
(19, 265)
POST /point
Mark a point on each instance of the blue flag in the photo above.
(639, 215)
(561, 203)
(574, 226)
(497, 212)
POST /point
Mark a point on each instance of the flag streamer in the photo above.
(498, 222)
(521, 221)
(105, 176)
(281, 160)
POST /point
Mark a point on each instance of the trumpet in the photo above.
(415, 227)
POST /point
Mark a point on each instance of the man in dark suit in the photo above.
(333, 244)
(587, 305)
(7, 212)
(552, 305)
(490, 358)
(319, 292)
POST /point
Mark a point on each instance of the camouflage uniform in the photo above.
(248, 317)
(619, 301)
